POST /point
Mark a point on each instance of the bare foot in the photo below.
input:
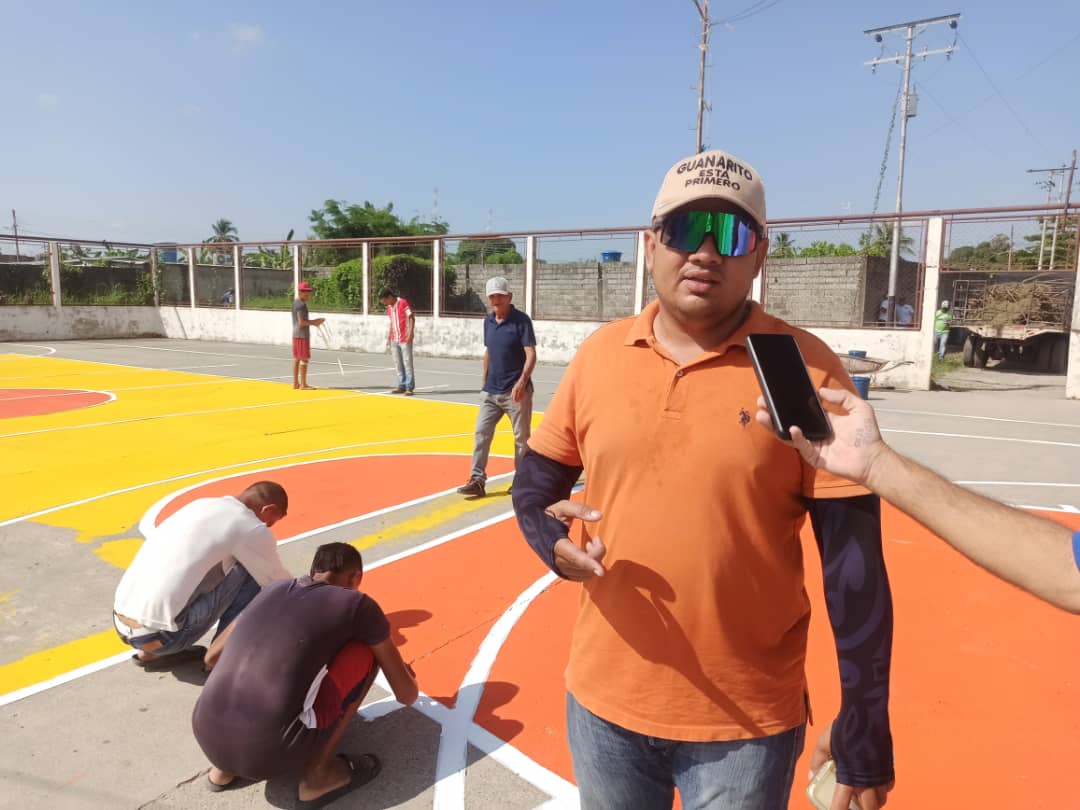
(146, 657)
(307, 387)
(220, 778)
(317, 783)
(296, 385)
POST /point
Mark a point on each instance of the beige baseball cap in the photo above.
(709, 175)
(498, 286)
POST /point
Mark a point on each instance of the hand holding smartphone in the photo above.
(786, 385)
(822, 787)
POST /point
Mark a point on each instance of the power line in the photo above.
(948, 117)
(1000, 95)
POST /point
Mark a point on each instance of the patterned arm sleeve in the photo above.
(859, 601)
(538, 483)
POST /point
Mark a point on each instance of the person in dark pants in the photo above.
(509, 360)
(290, 675)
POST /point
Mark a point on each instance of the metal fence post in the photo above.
(365, 267)
(154, 276)
(1072, 370)
(297, 268)
(639, 274)
(530, 275)
(436, 267)
(236, 276)
(54, 274)
(191, 274)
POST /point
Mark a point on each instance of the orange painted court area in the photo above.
(985, 708)
(41, 401)
(323, 493)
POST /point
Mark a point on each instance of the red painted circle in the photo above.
(39, 401)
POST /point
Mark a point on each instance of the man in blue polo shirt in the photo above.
(509, 359)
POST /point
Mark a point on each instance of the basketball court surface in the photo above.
(102, 440)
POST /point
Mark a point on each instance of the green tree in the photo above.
(824, 248)
(483, 251)
(783, 246)
(878, 241)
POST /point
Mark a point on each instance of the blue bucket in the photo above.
(611, 256)
(862, 385)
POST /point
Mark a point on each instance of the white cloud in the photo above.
(48, 101)
(245, 36)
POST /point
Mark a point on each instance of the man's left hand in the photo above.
(517, 393)
(867, 798)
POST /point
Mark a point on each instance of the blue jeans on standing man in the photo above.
(618, 769)
(940, 339)
(404, 363)
(492, 408)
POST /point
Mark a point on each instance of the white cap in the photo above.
(944, 303)
(708, 175)
(498, 286)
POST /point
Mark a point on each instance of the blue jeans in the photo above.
(492, 408)
(618, 769)
(940, 339)
(222, 605)
(403, 361)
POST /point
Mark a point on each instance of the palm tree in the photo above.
(224, 231)
(783, 246)
(878, 241)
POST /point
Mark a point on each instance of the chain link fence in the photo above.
(837, 274)
(468, 265)
(24, 273)
(585, 278)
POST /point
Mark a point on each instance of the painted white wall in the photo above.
(446, 337)
(78, 323)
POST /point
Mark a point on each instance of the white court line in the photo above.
(184, 476)
(148, 522)
(48, 349)
(453, 742)
(131, 369)
(977, 438)
(97, 666)
(276, 357)
(565, 794)
(981, 418)
(155, 417)
(1012, 484)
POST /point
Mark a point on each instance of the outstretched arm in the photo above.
(1035, 554)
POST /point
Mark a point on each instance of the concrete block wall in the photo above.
(824, 290)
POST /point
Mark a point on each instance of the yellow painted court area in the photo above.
(94, 472)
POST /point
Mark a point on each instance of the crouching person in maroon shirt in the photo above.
(290, 674)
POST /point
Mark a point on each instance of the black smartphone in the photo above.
(785, 383)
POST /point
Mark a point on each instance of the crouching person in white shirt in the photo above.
(202, 565)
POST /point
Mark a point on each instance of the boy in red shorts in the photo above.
(301, 336)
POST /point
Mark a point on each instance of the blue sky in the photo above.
(146, 121)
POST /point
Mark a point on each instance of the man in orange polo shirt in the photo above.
(686, 668)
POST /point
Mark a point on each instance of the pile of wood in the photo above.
(1023, 302)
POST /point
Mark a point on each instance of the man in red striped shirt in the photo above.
(399, 340)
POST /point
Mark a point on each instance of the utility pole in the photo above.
(912, 30)
(1050, 183)
(706, 25)
(15, 230)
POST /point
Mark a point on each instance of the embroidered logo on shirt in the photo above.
(744, 417)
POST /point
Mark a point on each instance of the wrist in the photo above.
(881, 468)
